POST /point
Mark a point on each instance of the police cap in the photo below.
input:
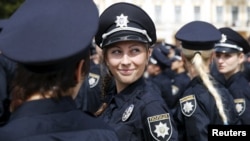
(231, 42)
(198, 35)
(125, 22)
(177, 56)
(164, 49)
(45, 34)
(158, 58)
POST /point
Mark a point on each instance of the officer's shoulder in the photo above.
(149, 95)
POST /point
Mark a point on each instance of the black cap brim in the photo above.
(225, 50)
(124, 36)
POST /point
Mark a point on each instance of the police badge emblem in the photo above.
(128, 112)
(240, 105)
(188, 105)
(160, 127)
(93, 79)
(121, 21)
(223, 38)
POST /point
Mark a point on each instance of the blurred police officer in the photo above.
(135, 110)
(180, 78)
(230, 56)
(204, 101)
(49, 40)
(156, 69)
(89, 97)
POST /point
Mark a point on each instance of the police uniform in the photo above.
(237, 84)
(46, 36)
(137, 112)
(179, 81)
(197, 107)
(89, 96)
(162, 80)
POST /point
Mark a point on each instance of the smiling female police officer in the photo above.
(49, 39)
(125, 35)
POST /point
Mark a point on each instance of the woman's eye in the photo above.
(135, 50)
(115, 51)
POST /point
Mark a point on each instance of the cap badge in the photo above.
(223, 38)
(128, 112)
(121, 21)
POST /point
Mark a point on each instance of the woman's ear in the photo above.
(79, 75)
(242, 57)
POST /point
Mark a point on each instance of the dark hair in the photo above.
(57, 83)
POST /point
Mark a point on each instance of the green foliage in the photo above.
(8, 7)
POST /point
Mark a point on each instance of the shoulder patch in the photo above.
(160, 127)
(240, 105)
(93, 79)
(188, 105)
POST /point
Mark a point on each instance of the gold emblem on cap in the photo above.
(223, 38)
(121, 21)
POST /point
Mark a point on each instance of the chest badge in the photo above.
(128, 112)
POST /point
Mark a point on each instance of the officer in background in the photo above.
(50, 40)
(156, 69)
(204, 101)
(89, 97)
(180, 78)
(136, 111)
(230, 57)
(7, 68)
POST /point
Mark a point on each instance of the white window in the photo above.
(177, 11)
(197, 13)
(219, 14)
(235, 12)
(158, 14)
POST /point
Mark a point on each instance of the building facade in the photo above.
(170, 15)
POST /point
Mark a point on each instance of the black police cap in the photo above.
(125, 22)
(158, 58)
(177, 55)
(231, 42)
(45, 34)
(164, 49)
(198, 35)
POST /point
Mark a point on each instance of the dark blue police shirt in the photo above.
(180, 82)
(54, 120)
(89, 95)
(163, 82)
(198, 109)
(138, 114)
(239, 87)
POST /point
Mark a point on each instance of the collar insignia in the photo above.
(121, 21)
